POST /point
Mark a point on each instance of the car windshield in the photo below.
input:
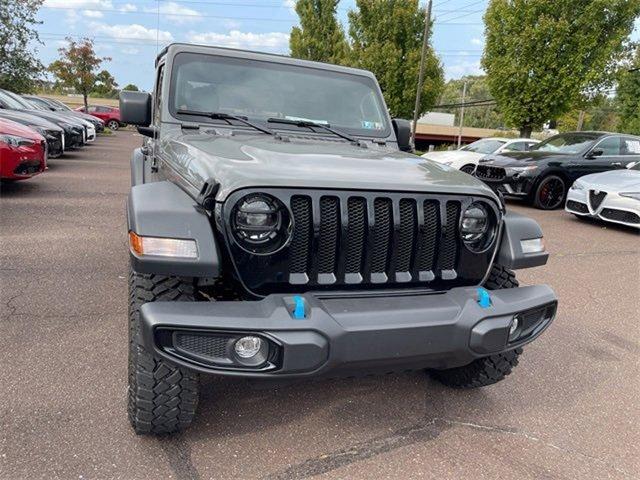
(569, 143)
(259, 90)
(484, 146)
(11, 102)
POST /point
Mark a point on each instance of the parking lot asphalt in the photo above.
(571, 409)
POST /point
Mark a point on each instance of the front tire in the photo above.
(162, 398)
(550, 193)
(113, 125)
(487, 370)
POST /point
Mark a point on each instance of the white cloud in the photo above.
(232, 24)
(128, 7)
(277, 41)
(465, 67)
(176, 13)
(93, 13)
(79, 4)
(291, 4)
(132, 32)
(477, 41)
(129, 50)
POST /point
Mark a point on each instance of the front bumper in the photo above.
(91, 134)
(614, 208)
(517, 186)
(346, 335)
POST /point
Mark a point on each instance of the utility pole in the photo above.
(464, 94)
(425, 44)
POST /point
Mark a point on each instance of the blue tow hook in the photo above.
(484, 298)
(298, 309)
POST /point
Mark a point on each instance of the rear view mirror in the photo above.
(403, 134)
(135, 108)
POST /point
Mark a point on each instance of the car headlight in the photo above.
(634, 195)
(447, 163)
(16, 141)
(260, 223)
(478, 227)
(521, 170)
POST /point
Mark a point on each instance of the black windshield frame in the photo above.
(186, 57)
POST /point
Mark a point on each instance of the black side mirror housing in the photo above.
(597, 152)
(135, 108)
(402, 128)
(151, 132)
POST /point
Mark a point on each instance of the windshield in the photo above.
(11, 102)
(569, 143)
(484, 146)
(262, 90)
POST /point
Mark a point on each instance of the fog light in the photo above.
(248, 347)
(513, 328)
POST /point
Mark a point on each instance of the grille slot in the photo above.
(490, 173)
(595, 199)
(577, 206)
(428, 236)
(202, 345)
(303, 229)
(620, 215)
(449, 245)
(382, 236)
(356, 236)
(408, 222)
(328, 241)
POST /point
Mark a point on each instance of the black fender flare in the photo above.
(162, 209)
(515, 228)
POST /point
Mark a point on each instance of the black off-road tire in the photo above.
(162, 397)
(487, 370)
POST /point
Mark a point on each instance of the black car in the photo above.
(65, 110)
(74, 131)
(543, 175)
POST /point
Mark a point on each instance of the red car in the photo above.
(109, 115)
(23, 151)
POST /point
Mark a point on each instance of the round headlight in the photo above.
(260, 223)
(477, 227)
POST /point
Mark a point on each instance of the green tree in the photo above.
(483, 116)
(77, 67)
(105, 85)
(131, 88)
(320, 36)
(541, 55)
(628, 96)
(19, 67)
(386, 38)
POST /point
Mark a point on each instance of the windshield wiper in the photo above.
(227, 117)
(312, 125)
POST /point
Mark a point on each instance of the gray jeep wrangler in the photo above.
(279, 228)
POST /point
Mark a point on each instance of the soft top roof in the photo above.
(175, 48)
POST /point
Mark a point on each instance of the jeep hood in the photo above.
(254, 160)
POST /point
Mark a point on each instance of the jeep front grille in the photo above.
(365, 240)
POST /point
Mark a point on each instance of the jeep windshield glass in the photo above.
(259, 91)
(569, 143)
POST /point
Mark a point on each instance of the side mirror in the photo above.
(598, 152)
(135, 108)
(403, 134)
(151, 132)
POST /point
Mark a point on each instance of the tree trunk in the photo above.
(525, 131)
(86, 104)
(580, 120)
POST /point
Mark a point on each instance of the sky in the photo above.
(132, 31)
